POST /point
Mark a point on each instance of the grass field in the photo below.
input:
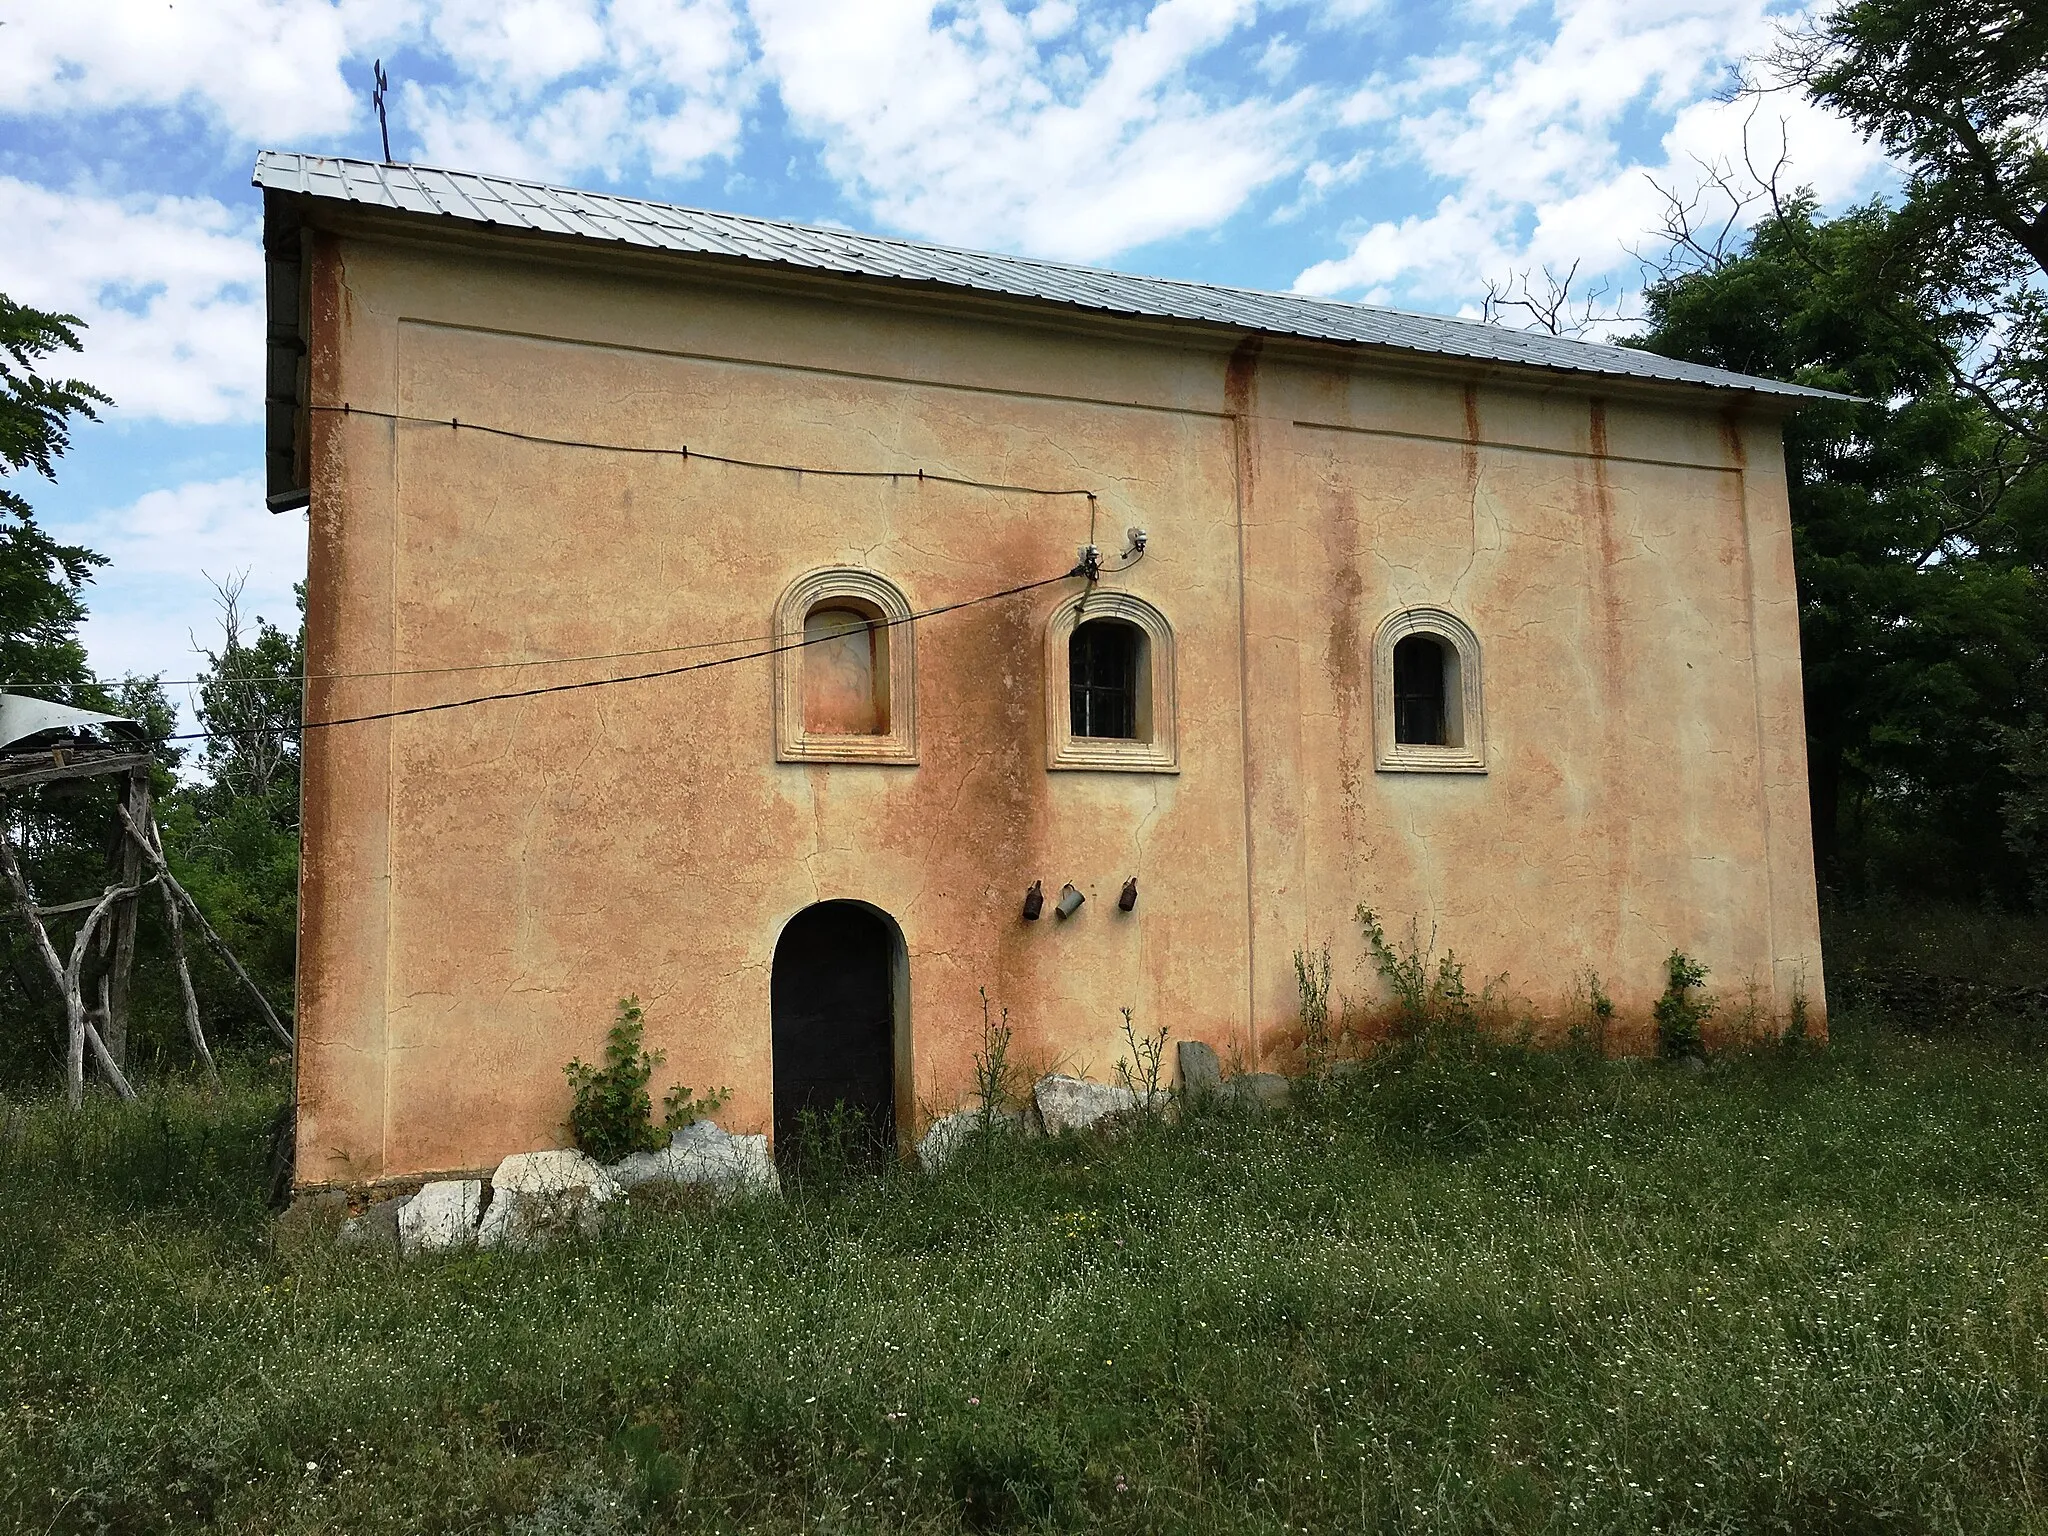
(1499, 1292)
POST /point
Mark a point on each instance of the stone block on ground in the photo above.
(376, 1229)
(315, 1216)
(442, 1216)
(703, 1156)
(1201, 1074)
(537, 1197)
(1075, 1104)
(1261, 1090)
(946, 1137)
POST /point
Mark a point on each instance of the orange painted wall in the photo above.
(482, 884)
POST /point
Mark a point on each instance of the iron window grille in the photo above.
(1419, 715)
(1102, 672)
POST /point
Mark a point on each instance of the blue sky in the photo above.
(1394, 151)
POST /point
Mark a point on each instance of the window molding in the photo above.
(1065, 750)
(1447, 629)
(795, 744)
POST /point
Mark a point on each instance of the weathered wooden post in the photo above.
(135, 800)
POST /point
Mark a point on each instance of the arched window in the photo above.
(1105, 678)
(1428, 715)
(845, 670)
(1109, 685)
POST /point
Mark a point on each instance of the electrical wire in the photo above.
(685, 452)
(642, 677)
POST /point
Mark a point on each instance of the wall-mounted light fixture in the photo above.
(1070, 901)
(1034, 901)
(1129, 898)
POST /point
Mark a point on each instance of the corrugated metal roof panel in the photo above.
(539, 209)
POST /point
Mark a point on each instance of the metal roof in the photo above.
(531, 207)
(27, 724)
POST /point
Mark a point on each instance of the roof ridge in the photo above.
(584, 212)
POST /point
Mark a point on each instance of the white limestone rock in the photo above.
(442, 1216)
(947, 1136)
(703, 1156)
(539, 1196)
(1075, 1104)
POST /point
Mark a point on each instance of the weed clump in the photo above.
(1429, 999)
(613, 1116)
(1683, 1010)
(1312, 983)
(1143, 1064)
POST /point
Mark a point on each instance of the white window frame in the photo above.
(820, 588)
(1160, 753)
(1466, 690)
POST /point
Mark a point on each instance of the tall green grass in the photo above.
(1475, 1290)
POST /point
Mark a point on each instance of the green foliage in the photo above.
(1683, 1009)
(1953, 90)
(613, 1116)
(1526, 1292)
(1430, 995)
(1592, 1016)
(41, 579)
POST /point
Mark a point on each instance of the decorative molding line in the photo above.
(882, 600)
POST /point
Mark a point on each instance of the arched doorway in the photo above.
(839, 969)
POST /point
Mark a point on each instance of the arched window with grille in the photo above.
(1110, 686)
(1428, 708)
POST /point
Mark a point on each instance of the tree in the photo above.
(40, 578)
(1955, 91)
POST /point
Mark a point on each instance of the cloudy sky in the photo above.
(1393, 151)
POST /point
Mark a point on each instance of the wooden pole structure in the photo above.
(175, 916)
(79, 1031)
(151, 852)
(135, 796)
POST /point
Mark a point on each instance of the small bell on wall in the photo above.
(1070, 901)
(1034, 901)
(1129, 898)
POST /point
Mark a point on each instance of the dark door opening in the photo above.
(832, 996)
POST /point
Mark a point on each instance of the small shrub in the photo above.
(1143, 1063)
(1797, 1035)
(1683, 1009)
(995, 1086)
(1312, 982)
(1428, 998)
(1592, 1015)
(613, 1117)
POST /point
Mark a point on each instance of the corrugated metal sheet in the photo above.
(27, 723)
(535, 208)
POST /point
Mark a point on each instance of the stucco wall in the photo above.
(482, 884)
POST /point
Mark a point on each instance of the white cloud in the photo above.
(1529, 140)
(268, 69)
(560, 88)
(170, 288)
(967, 126)
(153, 602)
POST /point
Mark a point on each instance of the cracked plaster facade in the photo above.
(481, 885)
